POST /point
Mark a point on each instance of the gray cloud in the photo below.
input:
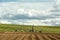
(26, 16)
(34, 14)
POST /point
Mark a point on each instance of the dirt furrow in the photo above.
(19, 37)
(13, 37)
(39, 37)
(34, 37)
(52, 37)
(2, 37)
(27, 37)
(56, 36)
(22, 37)
(46, 37)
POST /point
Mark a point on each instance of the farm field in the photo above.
(27, 28)
(8, 32)
(29, 36)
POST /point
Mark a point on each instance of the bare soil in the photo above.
(28, 36)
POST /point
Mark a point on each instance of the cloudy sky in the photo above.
(29, 12)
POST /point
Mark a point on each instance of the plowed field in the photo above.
(29, 36)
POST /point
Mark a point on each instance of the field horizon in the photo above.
(28, 28)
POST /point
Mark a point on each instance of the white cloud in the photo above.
(58, 1)
(31, 9)
(5, 22)
(28, 13)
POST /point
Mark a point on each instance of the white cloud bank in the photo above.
(28, 13)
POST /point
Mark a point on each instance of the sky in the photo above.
(29, 12)
(26, 0)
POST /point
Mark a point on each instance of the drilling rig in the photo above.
(32, 30)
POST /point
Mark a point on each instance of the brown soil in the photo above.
(28, 36)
